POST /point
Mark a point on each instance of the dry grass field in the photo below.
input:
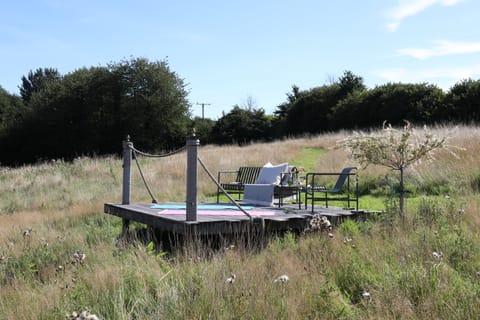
(52, 213)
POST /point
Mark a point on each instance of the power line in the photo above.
(203, 104)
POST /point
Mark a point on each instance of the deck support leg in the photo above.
(127, 161)
(125, 226)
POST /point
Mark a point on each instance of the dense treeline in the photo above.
(89, 111)
(348, 104)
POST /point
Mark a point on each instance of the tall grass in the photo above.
(52, 210)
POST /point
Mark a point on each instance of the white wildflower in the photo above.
(231, 279)
(282, 278)
(78, 257)
(27, 232)
(347, 240)
(366, 295)
(437, 255)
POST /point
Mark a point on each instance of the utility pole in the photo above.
(203, 104)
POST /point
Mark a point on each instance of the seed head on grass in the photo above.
(231, 279)
(366, 295)
(27, 232)
(283, 279)
(78, 257)
(438, 255)
(84, 315)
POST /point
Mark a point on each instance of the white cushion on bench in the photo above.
(271, 174)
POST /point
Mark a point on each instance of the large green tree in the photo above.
(242, 125)
(309, 111)
(36, 81)
(154, 103)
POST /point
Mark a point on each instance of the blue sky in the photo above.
(247, 52)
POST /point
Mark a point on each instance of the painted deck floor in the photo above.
(221, 218)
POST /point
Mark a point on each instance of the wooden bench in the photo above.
(237, 180)
(248, 175)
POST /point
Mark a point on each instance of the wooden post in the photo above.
(192, 151)
(127, 160)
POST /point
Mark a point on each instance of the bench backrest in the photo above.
(248, 175)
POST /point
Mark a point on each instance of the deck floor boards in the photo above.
(286, 217)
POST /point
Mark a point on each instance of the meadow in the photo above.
(60, 253)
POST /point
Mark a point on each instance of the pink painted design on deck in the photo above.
(257, 213)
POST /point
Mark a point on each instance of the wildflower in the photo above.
(84, 315)
(438, 255)
(347, 240)
(326, 224)
(27, 232)
(447, 197)
(231, 279)
(78, 257)
(320, 222)
(366, 295)
(315, 222)
(230, 247)
(283, 278)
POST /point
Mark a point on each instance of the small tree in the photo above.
(393, 148)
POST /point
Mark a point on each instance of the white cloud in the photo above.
(442, 48)
(407, 8)
(443, 77)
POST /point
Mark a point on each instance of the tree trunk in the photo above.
(402, 192)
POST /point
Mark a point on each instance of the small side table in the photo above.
(281, 192)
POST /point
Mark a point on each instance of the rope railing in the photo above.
(157, 155)
(154, 200)
(137, 152)
(223, 190)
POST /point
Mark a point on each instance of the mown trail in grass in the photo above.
(309, 158)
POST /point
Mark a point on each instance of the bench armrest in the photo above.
(227, 172)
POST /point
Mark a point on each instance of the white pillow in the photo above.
(271, 174)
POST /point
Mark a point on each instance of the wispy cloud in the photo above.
(407, 8)
(443, 77)
(441, 48)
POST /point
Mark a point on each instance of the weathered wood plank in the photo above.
(283, 218)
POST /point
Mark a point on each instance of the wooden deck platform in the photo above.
(210, 222)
